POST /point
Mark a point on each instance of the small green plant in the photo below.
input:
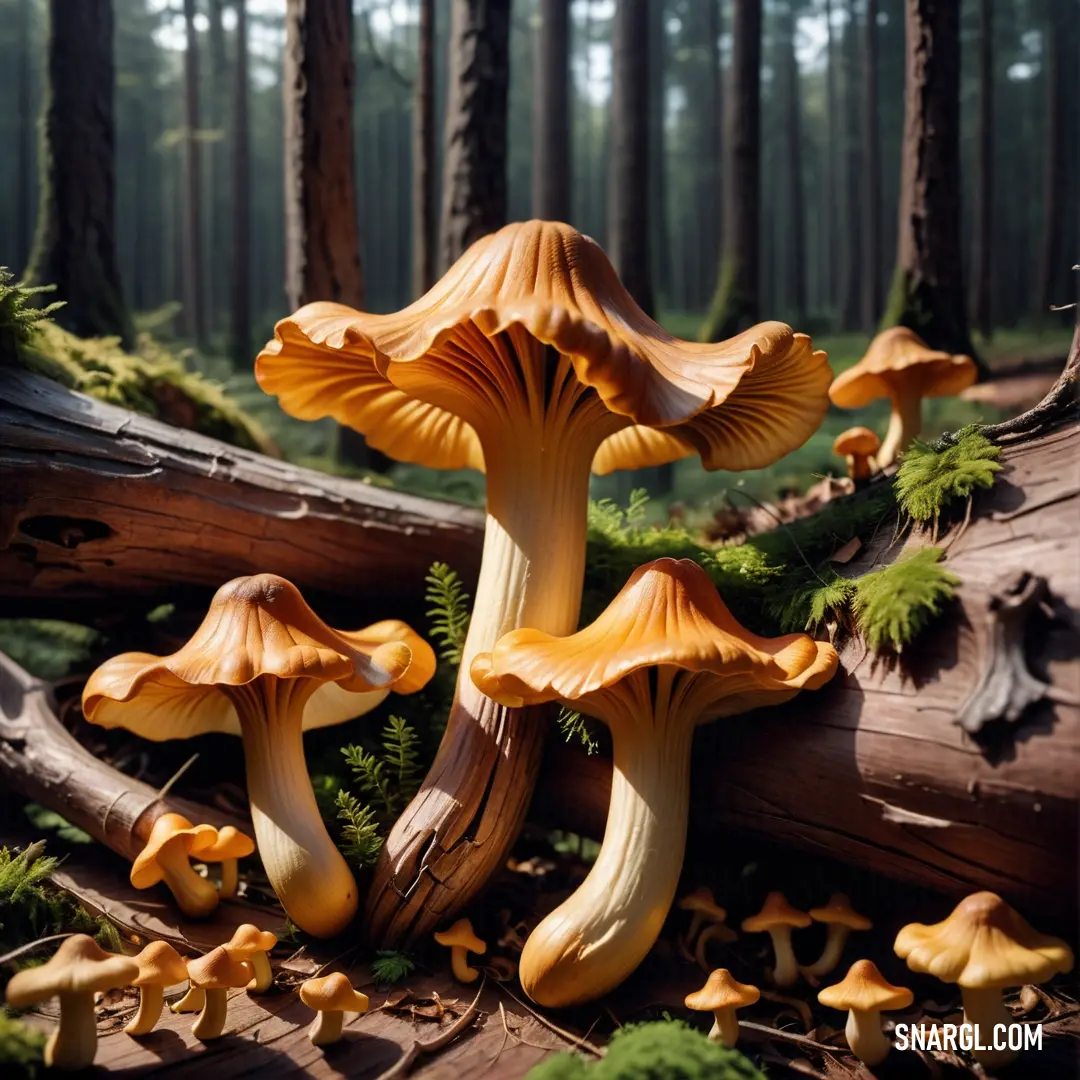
(391, 967)
(449, 611)
(47, 648)
(20, 315)
(931, 477)
(21, 1049)
(360, 838)
(577, 728)
(813, 601)
(41, 817)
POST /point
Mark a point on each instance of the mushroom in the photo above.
(78, 970)
(216, 974)
(231, 845)
(716, 931)
(461, 940)
(865, 993)
(192, 1001)
(167, 856)
(530, 361)
(331, 997)
(841, 918)
(900, 366)
(858, 445)
(723, 996)
(703, 907)
(160, 965)
(778, 918)
(984, 946)
(253, 945)
(264, 666)
(665, 656)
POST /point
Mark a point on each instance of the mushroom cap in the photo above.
(668, 614)
(169, 829)
(701, 899)
(722, 991)
(231, 843)
(776, 911)
(409, 381)
(332, 993)
(856, 440)
(159, 965)
(865, 989)
(462, 935)
(248, 939)
(899, 357)
(256, 626)
(839, 911)
(79, 966)
(218, 970)
(983, 944)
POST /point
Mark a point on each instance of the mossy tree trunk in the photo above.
(75, 243)
(927, 293)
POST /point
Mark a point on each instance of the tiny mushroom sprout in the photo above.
(723, 995)
(160, 966)
(778, 918)
(665, 656)
(216, 974)
(865, 993)
(984, 946)
(265, 667)
(331, 997)
(461, 940)
(900, 366)
(172, 843)
(840, 918)
(231, 844)
(857, 445)
(78, 970)
(253, 945)
(530, 361)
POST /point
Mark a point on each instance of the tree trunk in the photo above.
(982, 286)
(927, 292)
(423, 181)
(194, 310)
(659, 239)
(735, 305)
(871, 185)
(24, 162)
(853, 198)
(795, 250)
(75, 243)
(241, 200)
(551, 170)
(829, 171)
(214, 181)
(322, 234)
(1052, 257)
(474, 156)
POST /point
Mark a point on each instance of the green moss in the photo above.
(47, 648)
(20, 315)
(931, 477)
(21, 1049)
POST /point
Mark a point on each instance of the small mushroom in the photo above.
(331, 997)
(865, 993)
(984, 946)
(78, 970)
(231, 844)
(723, 995)
(253, 945)
(167, 858)
(841, 918)
(216, 974)
(160, 965)
(703, 908)
(778, 918)
(461, 941)
(858, 446)
(718, 931)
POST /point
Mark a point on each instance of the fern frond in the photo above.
(20, 317)
(360, 839)
(806, 606)
(390, 966)
(401, 752)
(575, 727)
(449, 610)
(370, 774)
(931, 477)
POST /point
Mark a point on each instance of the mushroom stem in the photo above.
(308, 873)
(459, 964)
(230, 878)
(725, 1027)
(858, 466)
(326, 1028)
(264, 976)
(195, 896)
(905, 423)
(985, 1009)
(151, 1000)
(73, 1044)
(593, 940)
(835, 938)
(192, 1001)
(211, 1021)
(865, 1037)
(786, 971)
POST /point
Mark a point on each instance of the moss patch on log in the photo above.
(932, 476)
(22, 1049)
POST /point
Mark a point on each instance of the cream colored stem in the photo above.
(725, 1027)
(905, 423)
(211, 1021)
(835, 938)
(865, 1037)
(311, 878)
(786, 971)
(986, 1009)
(459, 963)
(192, 1001)
(195, 896)
(73, 1044)
(151, 999)
(264, 976)
(230, 878)
(326, 1028)
(596, 938)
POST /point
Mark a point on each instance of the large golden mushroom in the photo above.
(530, 361)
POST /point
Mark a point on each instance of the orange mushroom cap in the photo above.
(856, 440)
(169, 829)
(722, 991)
(702, 900)
(332, 993)
(838, 911)
(218, 970)
(247, 939)
(159, 965)
(79, 966)
(776, 911)
(231, 843)
(865, 989)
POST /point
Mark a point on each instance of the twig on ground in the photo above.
(577, 1041)
(168, 785)
(788, 1036)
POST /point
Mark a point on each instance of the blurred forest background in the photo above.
(189, 171)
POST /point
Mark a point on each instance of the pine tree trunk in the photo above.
(982, 254)
(241, 190)
(795, 248)
(1052, 258)
(215, 181)
(871, 185)
(853, 198)
(474, 158)
(75, 243)
(656, 156)
(735, 305)
(194, 310)
(710, 193)
(927, 292)
(829, 171)
(423, 183)
(24, 163)
(551, 171)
